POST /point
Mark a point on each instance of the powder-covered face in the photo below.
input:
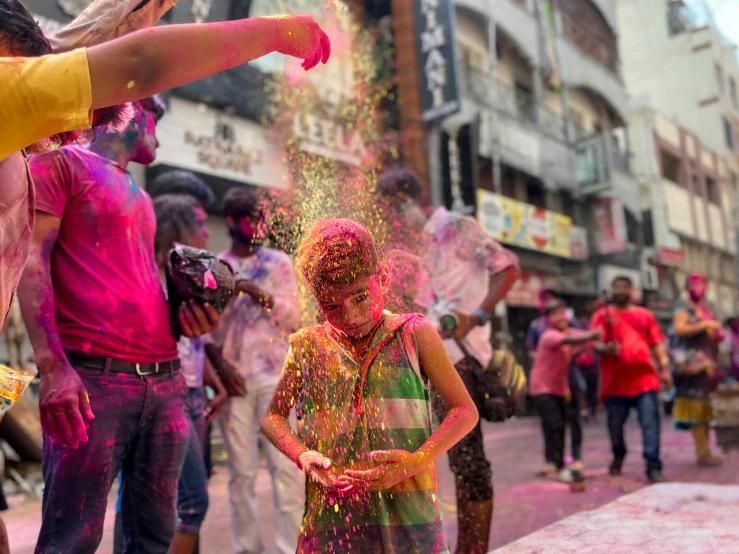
(140, 136)
(355, 307)
(697, 289)
(199, 238)
(558, 318)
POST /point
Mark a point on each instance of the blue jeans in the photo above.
(140, 430)
(647, 407)
(192, 489)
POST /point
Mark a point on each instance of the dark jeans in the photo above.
(574, 416)
(472, 470)
(192, 491)
(592, 377)
(647, 407)
(140, 429)
(553, 412)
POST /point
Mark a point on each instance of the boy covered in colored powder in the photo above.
(548, 382)
(361, 383)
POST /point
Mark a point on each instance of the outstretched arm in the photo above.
(150, 61)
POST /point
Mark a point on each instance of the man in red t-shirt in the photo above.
(111, 394)
(631, 340)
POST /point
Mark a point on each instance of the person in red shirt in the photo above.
(631, 340)
(549, 381)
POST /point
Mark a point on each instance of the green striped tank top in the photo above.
(351, 408)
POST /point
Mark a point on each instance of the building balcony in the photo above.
(602, 168)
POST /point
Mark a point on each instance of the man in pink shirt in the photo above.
(548, 380)
(111, 394)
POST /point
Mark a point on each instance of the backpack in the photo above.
(500, 388)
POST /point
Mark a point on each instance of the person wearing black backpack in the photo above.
(470, 273)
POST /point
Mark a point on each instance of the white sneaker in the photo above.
(564, 476)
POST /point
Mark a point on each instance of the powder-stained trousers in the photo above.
(241, 425)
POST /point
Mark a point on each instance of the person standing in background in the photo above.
(695, 353)
(548, 383)
(732, 347)
(469, 274)
(248, 348)
(111, 393)
(631, 340)
(575, 383)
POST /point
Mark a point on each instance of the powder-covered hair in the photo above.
(20, 32)
(337, 251)
(179, 181)
(176, 222)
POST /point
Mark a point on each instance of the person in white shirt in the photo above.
(248, 347)
(470, 273)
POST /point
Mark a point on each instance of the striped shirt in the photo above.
(346, 418)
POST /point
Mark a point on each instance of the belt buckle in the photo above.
(144, 374)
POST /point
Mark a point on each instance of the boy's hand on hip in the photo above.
(64, 407)
(394, 466)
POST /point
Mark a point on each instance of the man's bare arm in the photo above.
(63, 401)
(498, 287)
(151, 61)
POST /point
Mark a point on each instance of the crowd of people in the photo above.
(350, 414)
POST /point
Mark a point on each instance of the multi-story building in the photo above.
(543, 97)
(687, 73)
(690, 221)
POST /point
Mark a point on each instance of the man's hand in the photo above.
(215, 406)
(301, 37)
(245, 286)
(232, 380)
(195, 320)
(393, 467)
(64, 406)
(665, 377)
(465, 325)
(613, 348)
(595, 334)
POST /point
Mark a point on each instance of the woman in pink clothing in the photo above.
(548, 381)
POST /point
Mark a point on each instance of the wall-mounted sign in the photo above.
(579, 243)
(196, 137)
(610, 225)
(674, 257)
(329, 139)
(525, 291)
(460, 168)
(513, 222)
(437, 59)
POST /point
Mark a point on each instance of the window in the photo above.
(729, 134)
(713, 192)
(732, 93)
(536, 195)
(671, 166)
(719, 78)
(648, 228)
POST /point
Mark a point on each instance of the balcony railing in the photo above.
(514, 102)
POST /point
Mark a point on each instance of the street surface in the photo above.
(523, 502)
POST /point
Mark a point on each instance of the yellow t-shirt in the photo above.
(40, 97)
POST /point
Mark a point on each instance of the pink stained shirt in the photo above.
(107, 289)
(549, 374)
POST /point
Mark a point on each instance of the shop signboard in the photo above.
(525, 291)
(672, 257)
(579, 243)
(437, 58)
(203, 139)
(524, 225)
(610, 225)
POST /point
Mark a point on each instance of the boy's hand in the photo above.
(393, 467)
(318, 468)
(301, 37)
